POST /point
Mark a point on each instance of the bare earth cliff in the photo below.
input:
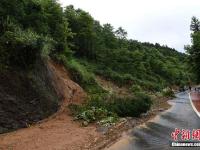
(59, 131)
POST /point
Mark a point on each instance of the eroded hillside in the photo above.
(58, 131)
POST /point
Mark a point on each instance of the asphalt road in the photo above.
(156, 134)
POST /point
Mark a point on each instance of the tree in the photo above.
(121, 33)
(82, 25)
(194, 49)
(195, 25)
(12, 11)
(108, 35)
(21, 21)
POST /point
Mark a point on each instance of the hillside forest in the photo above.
(35, 31)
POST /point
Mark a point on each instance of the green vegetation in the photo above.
(109, 107)
(167, 92)
(107, 52)
(97, 114)
(194, 49)
(29, 30)
(132, 107)
(38, 29)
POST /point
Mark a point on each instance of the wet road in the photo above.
(156, 134)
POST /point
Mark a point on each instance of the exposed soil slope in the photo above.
(64, 86)
(58, 131)
(25, 97)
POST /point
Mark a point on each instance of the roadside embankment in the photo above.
(59, 131)
(195, 102)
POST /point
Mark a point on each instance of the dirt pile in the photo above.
(70, 91)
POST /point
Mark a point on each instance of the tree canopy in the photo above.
(194, 49)
(36, 28)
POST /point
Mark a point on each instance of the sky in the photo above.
(157, 21)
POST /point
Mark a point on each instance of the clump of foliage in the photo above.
(80, 74)
(168, 92)
(194, 49)
(24, 47)
(107, 108)
(132, 107)
(30, 30)
(92, 114)
(136, 88)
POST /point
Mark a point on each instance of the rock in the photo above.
(85, 123)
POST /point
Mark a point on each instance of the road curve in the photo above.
(156, 134)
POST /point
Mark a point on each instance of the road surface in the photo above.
(156, 134)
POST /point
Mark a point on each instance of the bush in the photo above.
(106, 108)
(127, 79)
(132, 107)
(75, 109)
(167, 92)
(21, 48)
(149, 86)
(123, 107)
(98, 100)
(117, 78)
(136, 88)
(78, 72)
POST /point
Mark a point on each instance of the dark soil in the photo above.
(22, 100)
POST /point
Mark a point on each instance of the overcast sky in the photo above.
(163, 21)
